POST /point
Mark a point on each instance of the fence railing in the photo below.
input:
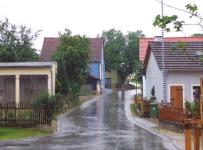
(12, 114)
(170, 114)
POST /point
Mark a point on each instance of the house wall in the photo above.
(187, 79)
(144, 92)
(115, 79)
(95, 70)
(103, 75)
(17, 71)
(154, 78)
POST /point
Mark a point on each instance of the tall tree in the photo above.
(121, 52)
(72, 58)
(16, 43)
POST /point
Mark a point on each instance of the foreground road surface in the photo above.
(97, 125)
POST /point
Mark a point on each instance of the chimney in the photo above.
(158, 38)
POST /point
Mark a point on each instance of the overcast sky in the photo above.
(91, 17)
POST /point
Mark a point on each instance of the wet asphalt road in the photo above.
(97, 125)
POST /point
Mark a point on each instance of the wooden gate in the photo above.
(7, 88)
(31, 86)
(176, 94)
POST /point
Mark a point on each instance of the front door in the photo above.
(176, 96)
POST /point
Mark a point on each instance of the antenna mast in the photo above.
(163, 57)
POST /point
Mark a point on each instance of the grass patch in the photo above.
(18, 133)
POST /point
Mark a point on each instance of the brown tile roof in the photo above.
(176, 58)
(143, 43)
(50, 46)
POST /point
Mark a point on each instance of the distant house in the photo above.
(143, 45)
(112, 79)
(96, 77)
(22, 81)
(183, 71)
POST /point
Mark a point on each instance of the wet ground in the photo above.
(97, 125)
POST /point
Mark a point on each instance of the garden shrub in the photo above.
(193, 108)
(45, 99)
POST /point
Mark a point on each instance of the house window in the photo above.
(196, 93)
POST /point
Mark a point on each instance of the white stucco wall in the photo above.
(187, 79)
(144, 86)
(154, 78)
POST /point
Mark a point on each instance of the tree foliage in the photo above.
(72, 58)
(16, 43)
(121, 52)
(165, 21)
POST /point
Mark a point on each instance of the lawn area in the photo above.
(18, 133)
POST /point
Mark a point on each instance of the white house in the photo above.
(183, 71)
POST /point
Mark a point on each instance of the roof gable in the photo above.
(176, 58)
(50, 46)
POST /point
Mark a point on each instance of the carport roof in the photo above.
(26, 64)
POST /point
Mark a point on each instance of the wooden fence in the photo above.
(170, 114)
(23, 114)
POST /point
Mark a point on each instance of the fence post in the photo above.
(188, 139)
(47, 111)
(196, 138)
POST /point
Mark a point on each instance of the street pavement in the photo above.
(99, 124)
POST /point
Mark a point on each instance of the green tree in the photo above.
(72, 58)
(121, 52)
(16, 43)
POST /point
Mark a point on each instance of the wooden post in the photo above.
(196, 138)
(188, 139)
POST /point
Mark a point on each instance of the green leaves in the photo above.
(166, 21)
(121, 52)
(192, 8)
(72, 58)
(16, 43)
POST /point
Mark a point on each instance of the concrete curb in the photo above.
(149, 126)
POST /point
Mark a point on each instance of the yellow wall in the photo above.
(114, 76)
(17, 71)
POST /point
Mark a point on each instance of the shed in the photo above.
(22, 81)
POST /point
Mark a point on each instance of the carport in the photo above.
(22, 81)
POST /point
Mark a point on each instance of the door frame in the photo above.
(169, 91)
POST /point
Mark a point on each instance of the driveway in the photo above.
(99, 124)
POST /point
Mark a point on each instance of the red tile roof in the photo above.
(50, 46)
(143, 43)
